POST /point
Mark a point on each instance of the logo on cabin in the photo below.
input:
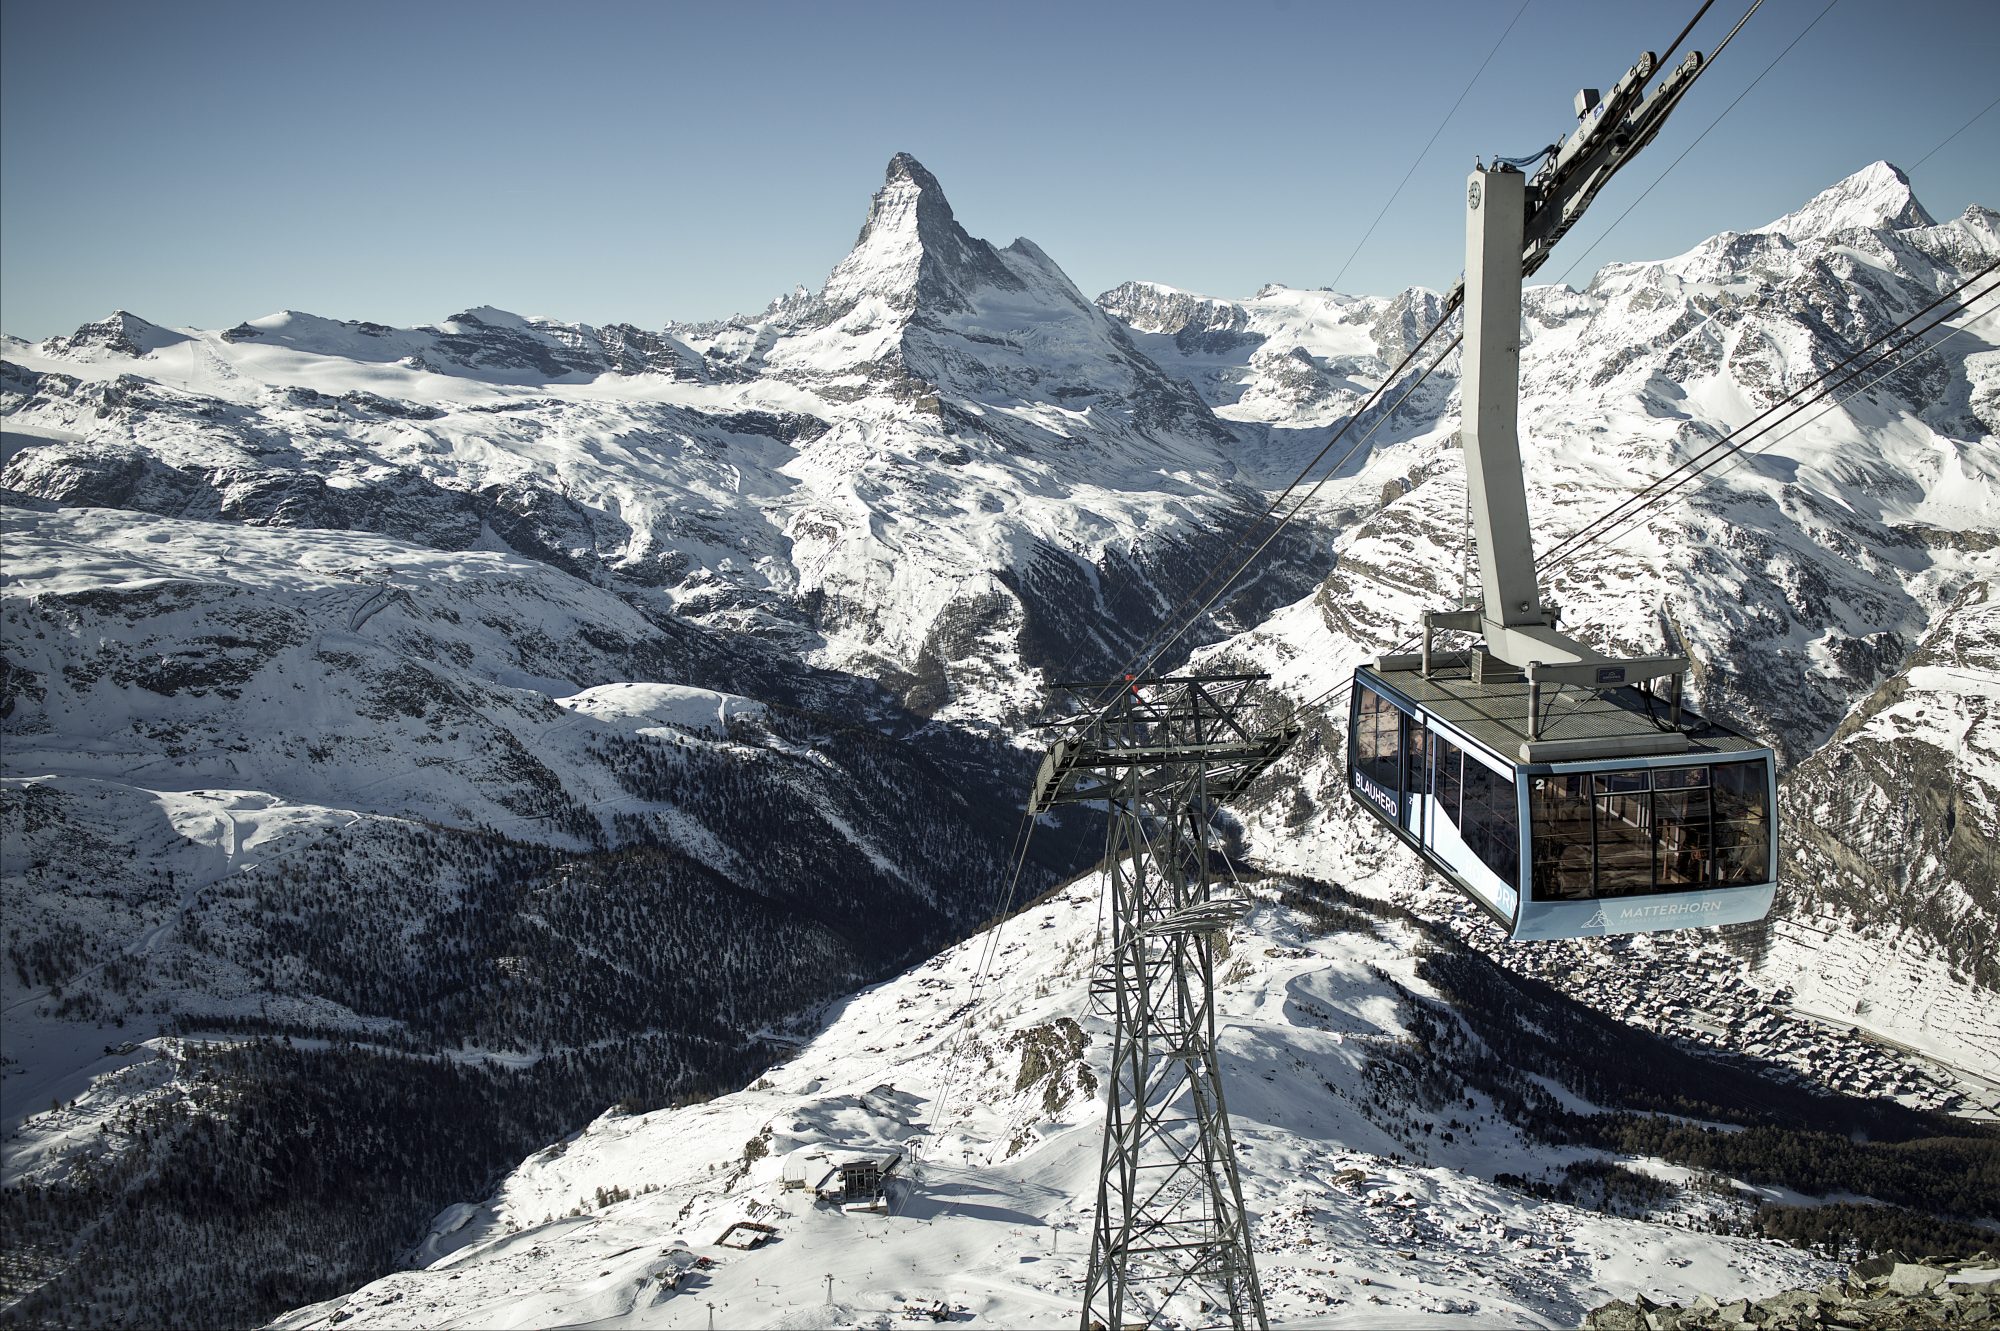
(1668, 909)
(1598, 921)
(1375, 795)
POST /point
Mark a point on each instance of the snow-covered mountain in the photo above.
(943, 470)
(520, 716)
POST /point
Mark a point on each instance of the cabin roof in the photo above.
(1578, 724)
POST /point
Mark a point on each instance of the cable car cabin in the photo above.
(1610, 820)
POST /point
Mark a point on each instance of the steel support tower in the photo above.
(1161, 754)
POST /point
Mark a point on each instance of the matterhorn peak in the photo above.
(905, 167)
(909, 206)
(912, 250)
(1875, 198)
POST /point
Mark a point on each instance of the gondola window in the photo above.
(1742, 823)
(1681, 850)
(1490, 822)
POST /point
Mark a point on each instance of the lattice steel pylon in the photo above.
(1162, 753)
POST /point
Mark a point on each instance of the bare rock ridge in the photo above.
(483, 343)
(1886, 1293)
(120, 334)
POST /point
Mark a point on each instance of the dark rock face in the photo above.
(1888, 1293)
(1890, 818)
(630, 350)
(555, 351)
(1399, 327)
(1151, 308)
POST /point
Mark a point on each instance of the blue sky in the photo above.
(202, 163)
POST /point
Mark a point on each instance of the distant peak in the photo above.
(121, 332)
(121, 320)
(1875, 198)
(489, 315)
(911, 248)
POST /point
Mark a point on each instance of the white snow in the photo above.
(663, 705)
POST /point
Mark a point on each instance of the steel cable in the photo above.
(1828, 382)
(1739, 450)
(1606, 233)
(1147, 653)
(1150, 650)
(1430, 142)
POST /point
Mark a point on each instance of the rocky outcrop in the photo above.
(480, 343)
(119, 334)
(1891, 843)
(1887, 1293)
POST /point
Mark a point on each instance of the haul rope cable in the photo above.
(1585, 537)
(1826, 384)
(1736, 459)
(1310, 494)
(1789, 419)
(1430, 142)
(1739, 451)
(1809, 386)
(1142, 658)
(1620, 518)
(1606, 233)
(1776, 414)
(1667, 56)
(1955, 133)
(1699, 73)
(1450, 307)
(1181, 628)
(1024, 839)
